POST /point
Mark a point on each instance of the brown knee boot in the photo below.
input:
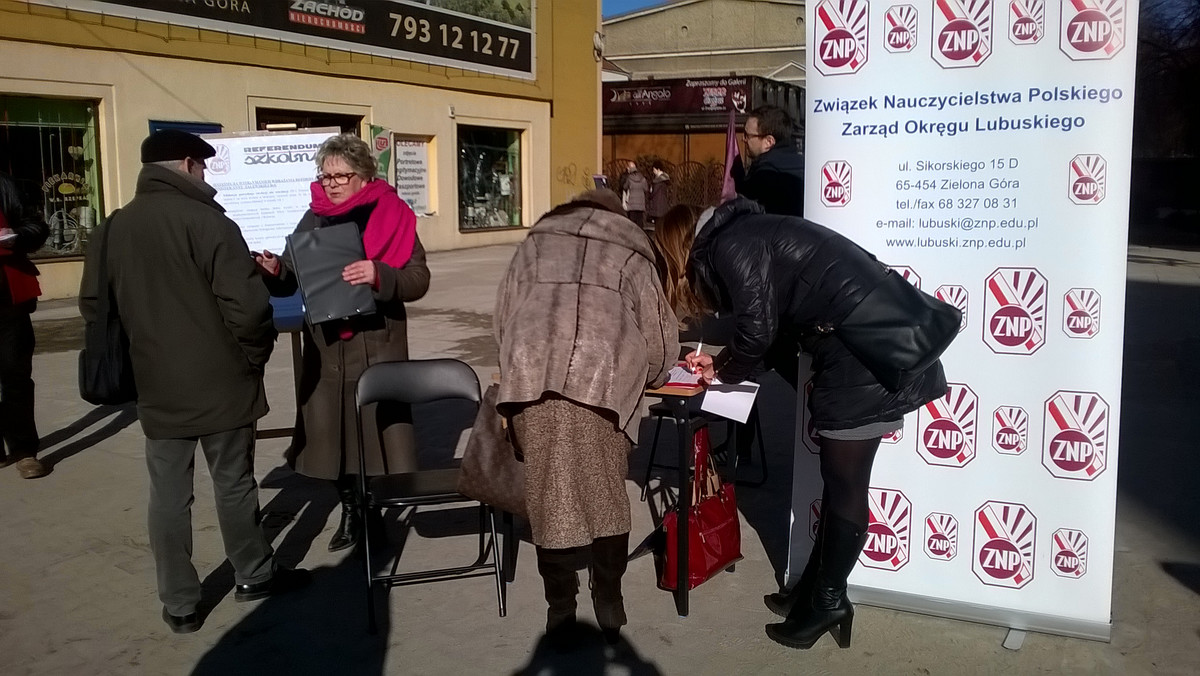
(610, 558)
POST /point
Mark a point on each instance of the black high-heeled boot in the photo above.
(827, 606)
(610, 558)
(781, 603)
(349, 530)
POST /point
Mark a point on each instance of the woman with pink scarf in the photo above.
(334, 354)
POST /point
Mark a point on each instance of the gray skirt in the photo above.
(576, 462)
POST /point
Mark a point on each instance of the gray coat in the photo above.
(581, 313)
(635, 188)
(326, 442)
(192, 303)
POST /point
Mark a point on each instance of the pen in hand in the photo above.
(699, 350)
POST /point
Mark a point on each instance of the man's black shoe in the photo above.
(181, 624)
(283, 581)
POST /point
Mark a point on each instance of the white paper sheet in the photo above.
(730, 401)
(682, 376)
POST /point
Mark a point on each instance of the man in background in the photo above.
(200, 332)
(775, 175)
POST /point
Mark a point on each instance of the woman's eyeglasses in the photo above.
(335, 179)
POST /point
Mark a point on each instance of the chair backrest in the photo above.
(417, 381)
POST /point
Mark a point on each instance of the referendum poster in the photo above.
(982, 150)
(262, 180)
(488, 36)
(412, 172)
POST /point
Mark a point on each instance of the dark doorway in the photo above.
(304, 119)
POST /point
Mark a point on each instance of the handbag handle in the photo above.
(705, 480)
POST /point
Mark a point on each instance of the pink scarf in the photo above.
(391, 228)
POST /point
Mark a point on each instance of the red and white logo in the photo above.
(947, 427)
(962, 32)
(1026, 21)
(887, 545)
(1081, 313)
(894, 437)
(1014, 310)
(1010, 430)
(219, 164)
(1075, 435)
(836, 177)
(1091, 29)
(941, 536)
(1089, 179)
(1005, 533)
(841, 36)
(814, 518)
(1069, 553)
(956, 296)
(810, 438)
(900, 28)
(907, 273)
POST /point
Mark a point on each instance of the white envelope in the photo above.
(730, 401)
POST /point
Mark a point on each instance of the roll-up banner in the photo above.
(982, 149)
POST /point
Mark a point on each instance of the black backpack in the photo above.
(105, 370)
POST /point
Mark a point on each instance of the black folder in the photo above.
(318, 257)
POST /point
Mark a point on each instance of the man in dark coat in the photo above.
(200, 333)
(775, 178)
(19, 290)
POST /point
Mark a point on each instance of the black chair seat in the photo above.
(429, 487)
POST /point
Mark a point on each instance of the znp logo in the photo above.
(956, 296)
(910, 275)
(1089, 178)
(947, 427)
(1010, 430)
(1075, 435)
(219, 164)
(887, 545)
(1091, 29)
(1069, 553)
(1081, 313)
(1005, 533)
(1014, 308)
(941, 536)
(841, 36)
(836, 177)
(962, 32)
(814, 518)
(900, 28)
(1026, 21)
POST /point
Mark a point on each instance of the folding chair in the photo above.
(419, 382)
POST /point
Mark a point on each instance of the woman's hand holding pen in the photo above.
(702, 364)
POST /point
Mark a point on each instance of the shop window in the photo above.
(196, 128)
(50, 148)
(277, 119)
(489, 178)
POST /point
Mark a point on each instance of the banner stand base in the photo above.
(1003, 617)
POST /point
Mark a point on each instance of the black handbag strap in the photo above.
(103, 288)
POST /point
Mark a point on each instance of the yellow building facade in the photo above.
(504, 135)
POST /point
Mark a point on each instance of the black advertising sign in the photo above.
(491, 36)
(683, 96)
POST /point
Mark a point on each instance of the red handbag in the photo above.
(714, 533)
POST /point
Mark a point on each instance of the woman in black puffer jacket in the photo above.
(785, 281)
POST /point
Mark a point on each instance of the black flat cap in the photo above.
(172, 144)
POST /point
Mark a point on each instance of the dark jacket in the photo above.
(326, 441)
(634, 189)
(31, 235)
(775, 180)
(192, 303)
(781, 277)
(660, 196)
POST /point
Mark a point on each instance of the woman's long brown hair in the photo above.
(673, 238)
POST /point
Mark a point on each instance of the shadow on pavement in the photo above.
(1188, 574)
(1159, 425)
(591, 656)
(122, 416)
(321, 629)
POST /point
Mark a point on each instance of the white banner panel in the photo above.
(982, 149)
(262, 180)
